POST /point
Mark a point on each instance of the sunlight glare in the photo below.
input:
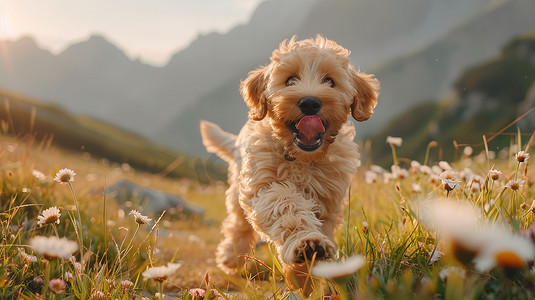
(4, 25)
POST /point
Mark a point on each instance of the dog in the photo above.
(291, 164)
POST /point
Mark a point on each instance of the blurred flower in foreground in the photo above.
(333, 270)
(49, 216)
(53, 247)
(57, 286)
(140, 219)
(522, 156)
(457, 223)
(488, 246)
(162, 272)
(396, 141)
(64, 175)
(507, 251)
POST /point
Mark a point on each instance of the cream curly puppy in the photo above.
(290, 165)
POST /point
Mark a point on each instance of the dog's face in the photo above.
(307, 92)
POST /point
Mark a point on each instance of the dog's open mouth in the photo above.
(308, 132)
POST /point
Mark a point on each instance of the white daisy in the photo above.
(53, 247)
(377, 169)
(396, 141)
(522, 156)
(333, 270)
(450, 184)
(49, 216)
(398, 172)
(444, 165)
(424, 169)
(370, 177)
(126, 284)
(514, 184)
(435, 254)
(64, 175)
(140, 219)
(495, 174)
(468, 151)
(365, 226)
(39, 175)
(98, 295)
(459, 224)
(505, 250)
(416, 187)
(436, 169)
(452, 271)
(162, 272)
(26, 257)
(416, 164)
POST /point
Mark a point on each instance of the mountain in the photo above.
(486, 98)
(94, 77)
(48, 123)
(439, 47)
(430, 72)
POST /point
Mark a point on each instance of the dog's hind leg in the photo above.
(239, 239)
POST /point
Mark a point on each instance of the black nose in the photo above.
(309, 105)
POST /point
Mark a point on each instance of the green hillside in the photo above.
(23, 116)
(486, 98)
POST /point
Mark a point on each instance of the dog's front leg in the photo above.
(282, 214)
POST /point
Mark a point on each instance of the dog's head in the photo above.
(307, 92)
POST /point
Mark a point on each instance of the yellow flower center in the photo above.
(509, 259)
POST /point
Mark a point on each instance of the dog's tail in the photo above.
(218, 141)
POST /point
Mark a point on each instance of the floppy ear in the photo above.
(252, 90)
(365, 100)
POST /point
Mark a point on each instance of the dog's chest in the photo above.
(319, 180)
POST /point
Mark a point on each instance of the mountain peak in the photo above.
(27, 41)
(95, 47)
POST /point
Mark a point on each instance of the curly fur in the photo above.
(279, 192)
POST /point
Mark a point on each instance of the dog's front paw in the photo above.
(311, 248)
(306, 249)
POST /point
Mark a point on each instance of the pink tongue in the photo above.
(309, 126)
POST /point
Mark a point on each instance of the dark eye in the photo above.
(291, 81)
(328, 81)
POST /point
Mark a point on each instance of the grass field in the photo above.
(426, 230)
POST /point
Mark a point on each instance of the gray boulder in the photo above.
(150, 201)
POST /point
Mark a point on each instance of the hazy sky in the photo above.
(150, 30)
